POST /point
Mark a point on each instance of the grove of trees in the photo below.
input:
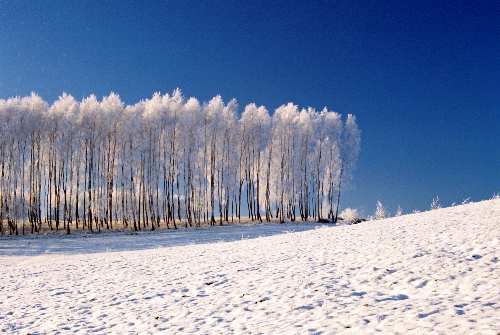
(168, 161)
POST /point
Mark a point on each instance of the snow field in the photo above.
(432, 272)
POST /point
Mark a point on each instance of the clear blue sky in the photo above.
(423, 78)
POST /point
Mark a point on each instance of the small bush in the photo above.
(435, 203)
(350, 215)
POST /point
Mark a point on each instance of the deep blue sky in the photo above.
(423, 78)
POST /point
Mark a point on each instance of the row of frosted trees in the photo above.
(168, 161)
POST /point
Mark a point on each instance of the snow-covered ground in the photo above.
(433, 272)
(32, 245)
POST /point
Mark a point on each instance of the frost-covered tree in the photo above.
(349, 151)
(379, 211)
(167, 160)
(255, 124)
(399, 211)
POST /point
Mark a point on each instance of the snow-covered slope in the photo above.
(430, 272)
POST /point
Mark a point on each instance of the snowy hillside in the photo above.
(430, 272)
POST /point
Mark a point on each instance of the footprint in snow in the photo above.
(424, 315)
(422, 284)
(393, 298)
(306, 307)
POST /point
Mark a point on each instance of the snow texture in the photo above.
(82, 242)
(433, 272)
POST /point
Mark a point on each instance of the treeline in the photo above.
(167, 160)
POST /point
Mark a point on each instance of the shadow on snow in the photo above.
(78, 243)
